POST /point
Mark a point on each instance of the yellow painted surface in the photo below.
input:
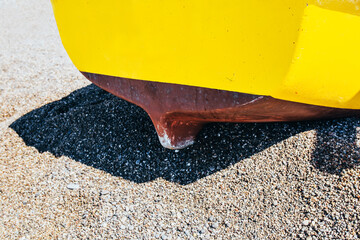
(297, 50)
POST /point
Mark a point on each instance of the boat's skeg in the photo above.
(178, 112)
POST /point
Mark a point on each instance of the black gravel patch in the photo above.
(98, 129)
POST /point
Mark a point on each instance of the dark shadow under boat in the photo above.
(100, 130)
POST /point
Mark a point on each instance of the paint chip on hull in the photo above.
(167, 143)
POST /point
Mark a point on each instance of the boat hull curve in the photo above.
(179, 111)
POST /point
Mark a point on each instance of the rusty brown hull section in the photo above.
(179, 112)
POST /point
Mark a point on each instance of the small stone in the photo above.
(306, 222)
(73, 186)
(227, 224)
(214, 225)
(104, 192)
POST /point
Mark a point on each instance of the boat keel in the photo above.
(178, 112)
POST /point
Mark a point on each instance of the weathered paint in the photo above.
(179, 112)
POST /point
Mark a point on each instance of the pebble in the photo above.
(214, 225)
(73, 186)
(104, 192)
(306, 222)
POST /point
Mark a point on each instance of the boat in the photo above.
(188, 63)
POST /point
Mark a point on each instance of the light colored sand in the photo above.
(81, 168)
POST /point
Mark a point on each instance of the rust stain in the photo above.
(178, 112)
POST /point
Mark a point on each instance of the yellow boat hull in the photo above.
(189, 62)
(302, 51)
